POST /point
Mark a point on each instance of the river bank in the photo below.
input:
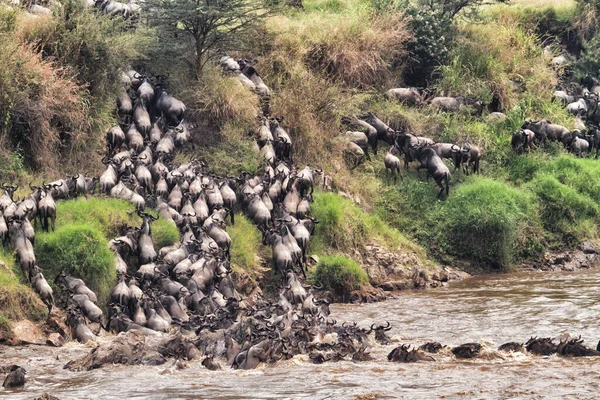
(490, 310)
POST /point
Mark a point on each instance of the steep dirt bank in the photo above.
(586, 256)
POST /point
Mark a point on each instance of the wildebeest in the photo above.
(471, 156)
(454, 104)
(545, 129)
(410, 95)
(522, 140)
(579, 146)
(392, 163)
(435, 167)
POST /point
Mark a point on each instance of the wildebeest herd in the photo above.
(368, 130)
(426, 151)
(187, 287)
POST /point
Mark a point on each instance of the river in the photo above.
(488, 309)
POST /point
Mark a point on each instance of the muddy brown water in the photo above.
(490, 310)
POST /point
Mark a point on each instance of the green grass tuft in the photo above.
(109, 215)
(17, 300)
(490, 222)
(80, 250)
(340, 274)
(246, 247)
(346, 227)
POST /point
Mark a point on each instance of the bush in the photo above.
(59, 75)
(340, 274)
(42, 106)
(231, 153)
(490, 222)
(432, 35)
(488, 59)
(96, 47)
(355, 47)
(82, 251)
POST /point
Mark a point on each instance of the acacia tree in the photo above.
(201, 29)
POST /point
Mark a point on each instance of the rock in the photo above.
(403, 270)
(16, 378)
(497, 117)
(57, 325)
(46, 396)
(588, 248)
(55, 339)
(397, 285)
(26, 332)
(367, 295)
(129, 348)
(344, 194)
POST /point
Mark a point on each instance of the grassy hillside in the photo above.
(333, 59)
(521, 206)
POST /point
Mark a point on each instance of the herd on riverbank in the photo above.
(187, 287)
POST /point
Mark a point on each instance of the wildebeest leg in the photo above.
(447, 178)
(419, 171)
(441, 185)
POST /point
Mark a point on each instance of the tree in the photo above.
(200, 29)
(432, 26)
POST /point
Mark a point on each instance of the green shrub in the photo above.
(164, 233)
(80, 250)
(340, 274)
(410, 206)
(580, 174)
(490, 222)
(432, 37)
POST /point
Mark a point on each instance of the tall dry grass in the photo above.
(499, 57)
(43, 111)
(355, 47)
